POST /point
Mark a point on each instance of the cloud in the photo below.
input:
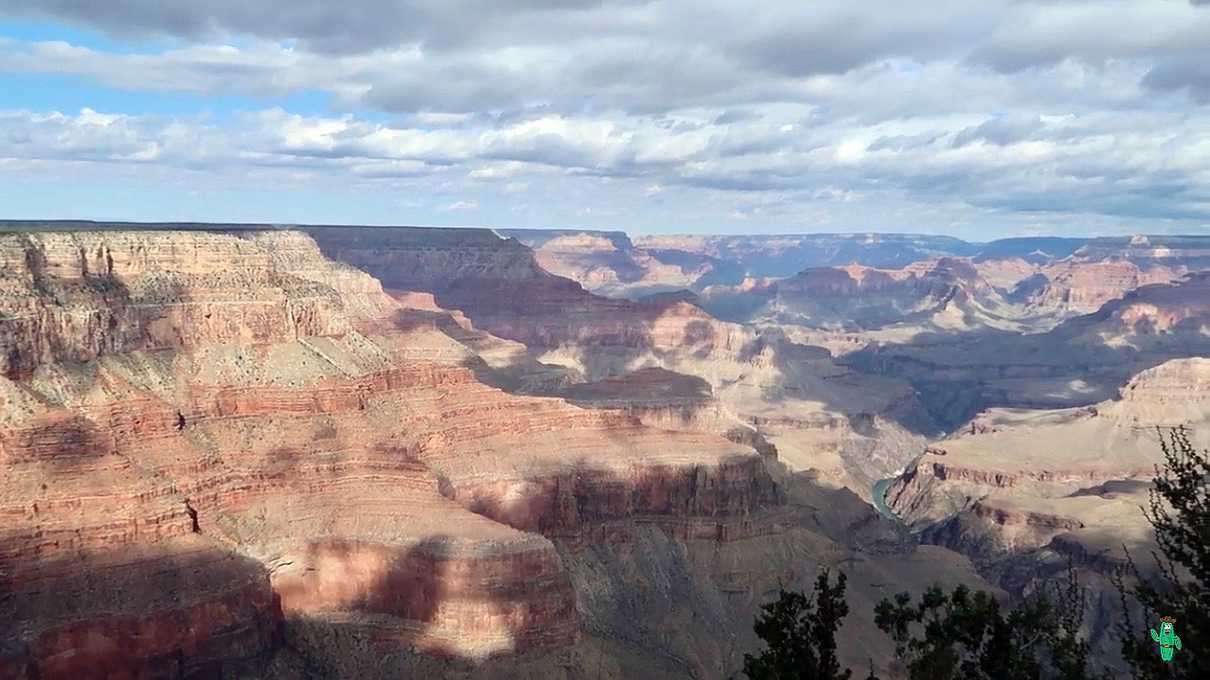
(1040, 34)
(1185, 73)
(345, 27)
(1091, 164)
(999, 131)
(462, 206)
(469, 57)
(90, 136)
(871, 113)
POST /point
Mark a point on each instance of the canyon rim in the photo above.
(294, 451)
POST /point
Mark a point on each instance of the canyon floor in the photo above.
(303, 451)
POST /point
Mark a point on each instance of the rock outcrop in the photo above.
(206, 435)
(227, 454)
(1020, 472)
(1026, 494)
(382, 452)
(943, 293)
(607, 263)
(1071, 286)
(1080, 362)
(498, 284)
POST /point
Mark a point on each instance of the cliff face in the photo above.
(498, 286)
(1080, 362)
(1019, 477)
(608, 263)
(1024, 494)
(427, 259)
(786, 255)
(940, 295)
(1165, 307)
(200, 412)
(856, 297)
(992, 528)
(1079, 287)
(77, 296)
(1055, 277)
(1097, 272)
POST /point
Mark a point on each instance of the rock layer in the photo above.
(246, 423)
(1024, 469)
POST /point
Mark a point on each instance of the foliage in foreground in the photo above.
(968, 635)
(959, 635)
(800, 634)
(1179, 512)
(965, 634)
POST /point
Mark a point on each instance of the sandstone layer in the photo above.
(853, 428)
(1052, 454)
(201, 408)
(228, 454)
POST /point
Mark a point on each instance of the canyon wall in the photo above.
(1068, 482)
(235, 415)
(226, 453)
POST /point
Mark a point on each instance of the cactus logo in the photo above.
(1167, 638)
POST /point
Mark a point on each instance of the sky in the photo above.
(974, 119)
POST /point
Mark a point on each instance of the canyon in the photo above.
(303, 451)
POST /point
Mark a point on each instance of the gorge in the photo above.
(297, 451)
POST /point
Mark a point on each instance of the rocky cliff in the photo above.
(202, 408)
(226, 453)
(608, 263)
(1074, 286)
(934, 293)
(1027, 493)
(1017, 479)
(498, 283)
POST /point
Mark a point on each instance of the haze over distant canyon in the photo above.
(297, 451)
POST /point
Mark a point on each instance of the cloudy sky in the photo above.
(977, 119)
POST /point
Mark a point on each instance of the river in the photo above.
(879, 494)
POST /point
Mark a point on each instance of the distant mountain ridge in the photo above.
(613, 263)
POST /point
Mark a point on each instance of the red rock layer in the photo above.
(183, 610)
(173, 492)
(694, 502)
(499, 285)
(77, 296)
(1082, 287)
(854, 297)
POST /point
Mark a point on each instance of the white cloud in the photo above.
(463, 205)
(1087, 164)
(995, 111)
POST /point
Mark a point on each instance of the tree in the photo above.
(800, 634)
(968, 635)
(1178, 510)
(1069, 651)
(965, 634)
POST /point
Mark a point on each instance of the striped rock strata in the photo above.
(209, 438)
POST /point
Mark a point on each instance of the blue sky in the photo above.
(979, 120)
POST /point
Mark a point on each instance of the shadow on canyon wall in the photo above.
(29, 342)
(602, 337)
(629, 371)
(646, 608)
(404, 619)
(179, 609)
(953, 391)
(189, 607)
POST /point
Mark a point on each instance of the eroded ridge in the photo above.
(207, 437)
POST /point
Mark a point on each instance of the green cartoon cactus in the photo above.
(1167, 637)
